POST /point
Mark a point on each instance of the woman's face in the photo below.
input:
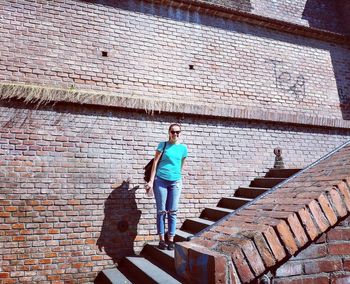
(174, 134)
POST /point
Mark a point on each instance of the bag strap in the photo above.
(162, 153)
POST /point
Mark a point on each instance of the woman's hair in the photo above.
(174, 124)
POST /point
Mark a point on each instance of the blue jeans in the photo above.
(167, 195)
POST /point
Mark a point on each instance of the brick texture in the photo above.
(65, 195)
(328, 260)
(72, 200)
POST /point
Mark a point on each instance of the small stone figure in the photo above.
(278, 159)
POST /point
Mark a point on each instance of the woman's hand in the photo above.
(149, 188)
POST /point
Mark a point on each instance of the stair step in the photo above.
(111, 276)
(233, 202)
(281, 173)
(214, 213)
(164, 258)
(182, 236)
(194, 225)
(144, 271)
(250, 192)
(266, 182)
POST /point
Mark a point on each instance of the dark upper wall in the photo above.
(327, 15)
(321, 14)
(344, 10)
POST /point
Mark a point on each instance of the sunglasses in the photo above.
(173, 132)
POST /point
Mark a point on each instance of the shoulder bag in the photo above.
(148, 167)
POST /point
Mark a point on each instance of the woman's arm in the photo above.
(182, 163)
(149, 185)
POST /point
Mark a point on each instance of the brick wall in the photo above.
(325, 261)
(71, 176)
(150, 48)
(62, 173)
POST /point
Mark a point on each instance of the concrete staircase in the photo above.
(157, 266)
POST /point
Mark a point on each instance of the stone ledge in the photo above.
(43, 95)
(280, 224)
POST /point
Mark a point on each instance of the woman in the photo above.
(166, 183)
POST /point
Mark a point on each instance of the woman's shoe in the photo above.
(162, 245)
(171, 245)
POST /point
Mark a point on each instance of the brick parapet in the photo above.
(280, 224)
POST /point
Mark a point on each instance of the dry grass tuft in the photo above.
(40, 95)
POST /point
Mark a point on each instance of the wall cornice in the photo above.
(42, 95)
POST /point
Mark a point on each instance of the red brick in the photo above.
(339, 233)
(339, 248)
(242, 267)
(18, 239)
(274, 243)
(253, 257)
(53, 277)
(11, 208)
(327, 209)
(287, 237)
(337, 202)
(18, 226)
(307, 220)
(78, 265)
(319, 217)
(318, 266)
(30, 261)
(262, 246)
(345, 191)
(346, 264)
(4, 275)
(45, 261)
(297, 230)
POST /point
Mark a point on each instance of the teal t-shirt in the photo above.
(169, 167)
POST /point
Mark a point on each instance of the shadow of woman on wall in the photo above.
(119, 227)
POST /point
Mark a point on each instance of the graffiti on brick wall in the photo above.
(288, 81)
(342, 96)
